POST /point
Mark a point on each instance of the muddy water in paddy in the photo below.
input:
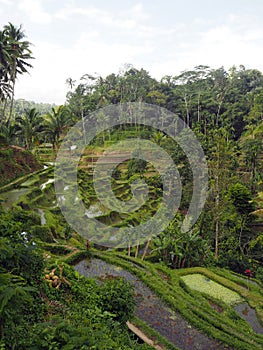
(249, 315)
(12, 196)
(152, 310)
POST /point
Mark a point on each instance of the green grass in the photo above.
(205, 285)
(225, 326)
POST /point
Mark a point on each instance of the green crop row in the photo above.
(226, 327)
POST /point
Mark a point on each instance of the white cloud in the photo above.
(69, 11)
(127, 19)
(6, 2)
(54, 64)
(45, 83)
(101, 40)
(34, 11)
(138, 11)
(237, 40)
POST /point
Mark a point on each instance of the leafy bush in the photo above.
(117, 297)
(259, 274)
(79, 314)
(43, 232)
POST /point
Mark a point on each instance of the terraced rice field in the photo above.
(152, 310)
(205, 285)
(187, 319)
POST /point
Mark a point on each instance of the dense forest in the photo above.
(225, 111)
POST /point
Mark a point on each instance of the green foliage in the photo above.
(117, 297)
(178, 249)
(34, 315)
(136, 164)
(259, 274)
(20, 277)
(226, 327)
(223, 108)
(241, 198)
(205, 285)
(16, 162)
(65, 336)
(28, 126)
(43, 232)
(56, 123)
(14, 56)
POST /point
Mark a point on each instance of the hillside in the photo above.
(16, 162)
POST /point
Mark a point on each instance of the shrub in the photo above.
(117, 297)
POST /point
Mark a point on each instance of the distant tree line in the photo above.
(223, 108)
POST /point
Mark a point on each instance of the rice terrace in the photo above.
(131, 215)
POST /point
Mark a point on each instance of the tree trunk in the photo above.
(187, 111)
(3, 113)
(217, 199)
(198, 108)
(218, 110)
(12, 97)
(216, 233)
(137, 249)
(146, 248)
(240, 235)
(83, 126)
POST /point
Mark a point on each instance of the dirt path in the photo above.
(143, 336)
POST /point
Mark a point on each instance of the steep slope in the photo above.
(15, 162)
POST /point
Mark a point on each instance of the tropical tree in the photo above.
(251, 142)
(180, 250)
(70, 82)
(14, 55)
(8, 133)
(221, 165)
(29, 126)
(4, 58)
(241, 198)
(56, 123)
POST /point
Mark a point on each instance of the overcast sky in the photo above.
(73, 37)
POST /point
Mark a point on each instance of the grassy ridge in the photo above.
(226, 327)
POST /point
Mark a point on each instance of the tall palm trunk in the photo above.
(3, 112)
(12, 100)
(10, 88)
(217, 201)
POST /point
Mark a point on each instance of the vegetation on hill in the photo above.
(16, 162)
(44, 303)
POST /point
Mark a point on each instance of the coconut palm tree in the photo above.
(8, 133)
(15, 53)
(29, 125)
(4, 58)
(56, 123)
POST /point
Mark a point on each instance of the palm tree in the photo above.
(8, 133)
(56, 123)
(29, 126)
(15, 53)
(252, 146)
(4, 58)
(70, 82)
